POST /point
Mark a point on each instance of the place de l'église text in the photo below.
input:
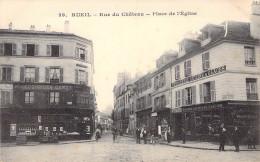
(127, 14)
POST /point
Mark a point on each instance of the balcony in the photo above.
(188, 102)
(54, 81)
(252, 96)
(250, 62)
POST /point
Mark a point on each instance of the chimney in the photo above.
(10, 26)
(48, 28)
(32, 28)
(255, 20)
(66, 27)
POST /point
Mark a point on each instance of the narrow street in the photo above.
(125, 150)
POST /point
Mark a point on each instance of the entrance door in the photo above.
(178, 126)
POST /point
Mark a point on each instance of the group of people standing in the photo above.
(251, 138)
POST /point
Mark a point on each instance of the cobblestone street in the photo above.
(125, 150)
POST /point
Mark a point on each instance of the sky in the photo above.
(123, 43)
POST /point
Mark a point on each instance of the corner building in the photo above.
(46, 83)
(216, 80)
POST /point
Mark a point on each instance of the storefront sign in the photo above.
(244, 116)
(199, 76)
(12, 129)
(154, 114)
(201, 108)
(43, 87)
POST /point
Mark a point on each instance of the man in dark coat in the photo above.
(183, 135)
(145, 135)
(138, 132)
(222, 137)
(114, 132)
(236, 138)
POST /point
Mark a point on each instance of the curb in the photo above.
(191, 147)
(59, 143)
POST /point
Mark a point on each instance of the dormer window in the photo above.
(205, 35)
(181, 47)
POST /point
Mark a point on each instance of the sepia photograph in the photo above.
(133, 80)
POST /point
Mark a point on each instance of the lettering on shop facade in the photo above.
(201, 108)
(201, 75)
(244, 116)
(43, 87)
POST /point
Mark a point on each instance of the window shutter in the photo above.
(164, 79)
(48, 50)
(86, 78)
(189, 68)
(203, 62)
(61, 75)
(37, 74)
(12, 73)
(176, 99)
(14, 49)
(61, 51)
(207, 60)
(193, 91)
(183, 97)
(178, 75)
(86, 54)
(36, 50)
(24, 50)
(76, 76)
(47, 74)
(201, 94)
(8, 97)
(1, 48)
(1, 73)
(212, 91)
(22, 74)
(47, 97)
(77, 52)
(185, 68)
(3, 97)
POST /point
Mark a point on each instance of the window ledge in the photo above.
(250, 65)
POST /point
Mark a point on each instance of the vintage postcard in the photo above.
(129, 80)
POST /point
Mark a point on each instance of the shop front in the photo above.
(143, 118)
(65, 111)
(202, 122)
(162, 118)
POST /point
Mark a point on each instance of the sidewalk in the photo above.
(201, 145)
(11, 144)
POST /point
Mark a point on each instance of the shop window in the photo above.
(54, 98)
(6, 73)
(177, 72)
(251, 89)
(249, 56)
(30, 49)
(29, 97)
(187, 68)
(207, 92)
(205, 61)
(5, 98)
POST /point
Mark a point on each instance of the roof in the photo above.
(37, 32)
(238, 32)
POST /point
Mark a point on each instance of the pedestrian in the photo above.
(222, 137)
(249, 139)
(98, 134)
(183, 135)
(165, 134)
(254, 139)
(236, 138)
(114, 132)
(144, 135)
(138, 132)
(152, 133)
(169, 136)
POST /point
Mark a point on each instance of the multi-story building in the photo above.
(46, 82)
(143, 97)
(160, 94)
(215, 80)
